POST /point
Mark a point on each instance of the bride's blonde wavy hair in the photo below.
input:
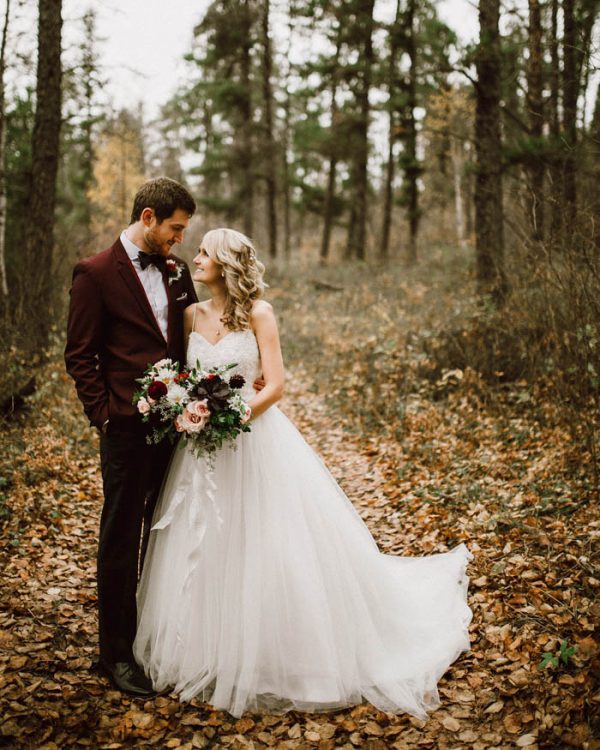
(236, 255)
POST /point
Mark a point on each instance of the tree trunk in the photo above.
(595, 171)
(554, 128)
(247, 160)
(586, 17)
(207, 184)
(350, 243)
(388, 193)
(457, 171)
(123, 192)
(3, 280)
(535, 100)
(412, 169)
(390, 172)
(270, 151)
(357, 236)
(287, 208)
(89, 67)
(469, 194)
(570, 92)
(489, 228)
(45, 146)
(328, 209)
(332, 169)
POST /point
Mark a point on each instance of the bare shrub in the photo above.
(546, 335)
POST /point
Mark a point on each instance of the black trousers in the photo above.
(132, 473)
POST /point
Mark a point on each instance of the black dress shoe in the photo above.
(129, 678)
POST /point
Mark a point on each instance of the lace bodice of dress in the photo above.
(238, 346)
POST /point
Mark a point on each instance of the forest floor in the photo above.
(429, 462)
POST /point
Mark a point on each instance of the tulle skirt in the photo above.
(264, 590)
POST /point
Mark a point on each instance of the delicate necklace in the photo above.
(219, 329)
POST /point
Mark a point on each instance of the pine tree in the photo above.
(221, 110)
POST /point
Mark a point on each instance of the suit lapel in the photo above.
(132, 280)
(171, 314)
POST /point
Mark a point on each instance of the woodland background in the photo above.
(429, 214)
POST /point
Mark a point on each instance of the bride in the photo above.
(262, 587)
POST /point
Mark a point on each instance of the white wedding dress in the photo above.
(264, 590)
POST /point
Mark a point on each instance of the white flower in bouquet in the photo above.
(238, 404)
(166, 373)
(176, 394)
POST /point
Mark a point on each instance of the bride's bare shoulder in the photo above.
(261, 311)
(196, 307)
(262, 319)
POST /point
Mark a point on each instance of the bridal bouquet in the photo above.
(204, 406)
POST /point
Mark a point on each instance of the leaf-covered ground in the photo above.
(458, 465)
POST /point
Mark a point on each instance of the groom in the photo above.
(126, 312)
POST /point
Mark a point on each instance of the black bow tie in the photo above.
(147, 259)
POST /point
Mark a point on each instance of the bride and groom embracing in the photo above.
(255, 585)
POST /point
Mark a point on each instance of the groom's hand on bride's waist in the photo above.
(259, 384)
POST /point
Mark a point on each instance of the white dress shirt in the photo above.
(152, 281)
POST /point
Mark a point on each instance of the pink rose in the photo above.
(194, 417)
(143, 406)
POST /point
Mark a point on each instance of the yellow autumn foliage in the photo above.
(118, 173)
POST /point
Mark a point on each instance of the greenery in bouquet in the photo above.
(203, 406)
(216, 412)
(161, 398)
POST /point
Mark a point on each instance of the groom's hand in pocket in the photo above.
(259, 384)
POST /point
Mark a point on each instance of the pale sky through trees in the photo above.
(143, 42)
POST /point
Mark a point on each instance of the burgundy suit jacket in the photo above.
(112, 334)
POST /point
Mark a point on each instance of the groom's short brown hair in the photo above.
(164, 196)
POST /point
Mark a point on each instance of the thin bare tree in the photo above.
(535, 106)
(269, 139)
(390, 172)
(3, 279)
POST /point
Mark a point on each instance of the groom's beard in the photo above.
(154, 245)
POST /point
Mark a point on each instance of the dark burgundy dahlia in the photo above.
(237, 381)
(157, 389)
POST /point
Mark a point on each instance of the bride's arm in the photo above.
(265, 329)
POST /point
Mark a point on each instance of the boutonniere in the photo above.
(174, 270)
